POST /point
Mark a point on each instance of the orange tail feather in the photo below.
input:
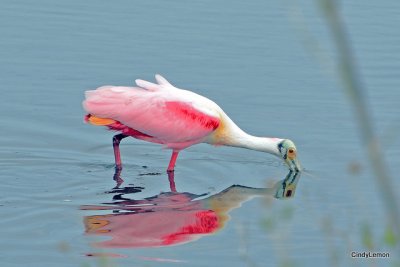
(98, 121)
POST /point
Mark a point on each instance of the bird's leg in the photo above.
(171, 165)
(171, 179)
(116, 140)
(170, 170)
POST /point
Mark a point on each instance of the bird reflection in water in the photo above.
(173, 218)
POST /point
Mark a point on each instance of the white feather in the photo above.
(162, 81)
(147, 85)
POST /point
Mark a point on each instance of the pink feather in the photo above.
(159, 116)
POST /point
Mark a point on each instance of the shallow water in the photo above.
(256, 60)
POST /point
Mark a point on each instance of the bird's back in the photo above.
(174, 117)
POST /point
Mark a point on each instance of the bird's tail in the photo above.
(89, 118)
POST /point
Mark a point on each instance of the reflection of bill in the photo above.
(174, 218)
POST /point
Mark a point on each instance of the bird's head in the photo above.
(288, 152)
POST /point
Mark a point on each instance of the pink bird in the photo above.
(176, 118)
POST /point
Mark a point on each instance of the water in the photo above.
(257, 62)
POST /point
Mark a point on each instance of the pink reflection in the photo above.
(151, 229)
(173, 218)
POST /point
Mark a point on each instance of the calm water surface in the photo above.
(269, 67)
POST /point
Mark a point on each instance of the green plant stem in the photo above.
(354, 89)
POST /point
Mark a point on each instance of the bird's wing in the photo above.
(172, 116)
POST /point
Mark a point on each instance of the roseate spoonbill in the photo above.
(176, 118)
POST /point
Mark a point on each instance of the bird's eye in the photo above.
(291, 153)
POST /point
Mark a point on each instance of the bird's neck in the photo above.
(263, 144)
(232, 135)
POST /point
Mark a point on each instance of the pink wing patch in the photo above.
(187, 112)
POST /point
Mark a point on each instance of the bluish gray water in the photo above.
(267, 64)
